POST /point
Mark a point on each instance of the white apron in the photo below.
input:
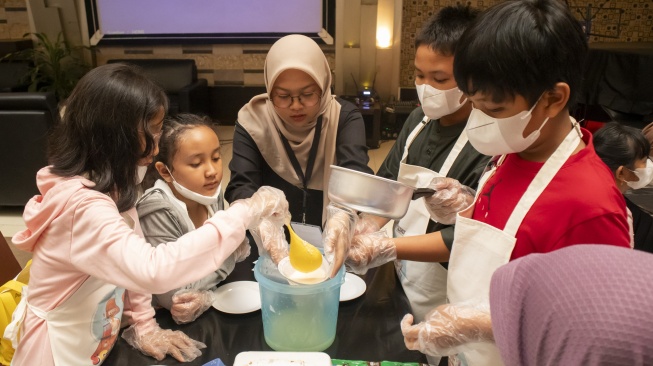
(479, 249)
(87, 322)
(425, 283)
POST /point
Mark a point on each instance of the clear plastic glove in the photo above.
(448, 329)
(156, 342)
(267, 203)
(188, 305)
(369, 251)
(272, 240)
(366, 224)
(338, 232)
(450, 197)
(242, 252)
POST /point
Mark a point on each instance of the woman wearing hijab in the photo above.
(581, 305)
(290, 136)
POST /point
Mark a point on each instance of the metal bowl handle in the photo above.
(422, 192)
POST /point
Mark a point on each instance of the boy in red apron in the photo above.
(521, 66)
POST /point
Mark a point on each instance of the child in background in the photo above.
(186, 191)
(520, 63)
(91, 265)
(625, 150)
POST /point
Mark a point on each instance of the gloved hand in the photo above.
(369, 251)
(272, 240)
(153, 341)
(242, 252)
(366, 225)
(267, 203)
(448, 329)
(338, 232)
(449, 198)
(188, 305)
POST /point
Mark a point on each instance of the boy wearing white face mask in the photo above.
(186, 191)
(521, 66)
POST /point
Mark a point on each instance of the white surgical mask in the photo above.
(649, 164)
(140, 173)
(644, 175)
(194, 196)
(498, 136)
(438, 103)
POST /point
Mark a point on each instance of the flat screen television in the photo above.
(123, 22)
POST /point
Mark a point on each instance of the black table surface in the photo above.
(368, 327)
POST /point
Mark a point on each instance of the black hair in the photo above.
(618, 145)
(521, 47)
(443, 30)
(174, 128)
(100, 131)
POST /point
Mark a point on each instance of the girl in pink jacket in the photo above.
(91, 265)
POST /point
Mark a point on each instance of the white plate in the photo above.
(353, 287)
(296, 277)
(282, 359)
(238, 297)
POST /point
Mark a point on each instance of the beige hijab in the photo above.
(260, 120)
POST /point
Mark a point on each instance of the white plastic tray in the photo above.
(282, 359)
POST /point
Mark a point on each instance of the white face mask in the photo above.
(194, 196)
(438, 103)
(645, 175)
(140, 173)
(498, 136)
(649, 164)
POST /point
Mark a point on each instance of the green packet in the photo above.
(336, 362)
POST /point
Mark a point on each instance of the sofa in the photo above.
(25, 121)
(178, 77)
(14, 76)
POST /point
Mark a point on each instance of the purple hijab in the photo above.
(582, 305)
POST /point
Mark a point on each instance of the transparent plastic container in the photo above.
(297, 317)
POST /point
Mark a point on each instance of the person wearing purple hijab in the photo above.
(581, 305)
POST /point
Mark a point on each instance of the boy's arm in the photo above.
(610, 229)
(429, 247)
(372, 250)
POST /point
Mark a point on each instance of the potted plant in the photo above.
(54, 65)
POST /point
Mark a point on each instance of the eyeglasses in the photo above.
(285, 100)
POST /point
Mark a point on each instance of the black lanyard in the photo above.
(305, 178)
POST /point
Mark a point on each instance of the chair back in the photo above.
(171, 74)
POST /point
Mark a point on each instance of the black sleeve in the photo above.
(351, 150)
(642, 226)
(246, 166)
(389, 169)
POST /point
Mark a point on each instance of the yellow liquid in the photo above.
(304, 257)
(299, 330)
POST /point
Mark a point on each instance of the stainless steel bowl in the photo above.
(369, 193)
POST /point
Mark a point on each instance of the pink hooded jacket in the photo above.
(75, 232)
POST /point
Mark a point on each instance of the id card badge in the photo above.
(310, 233)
